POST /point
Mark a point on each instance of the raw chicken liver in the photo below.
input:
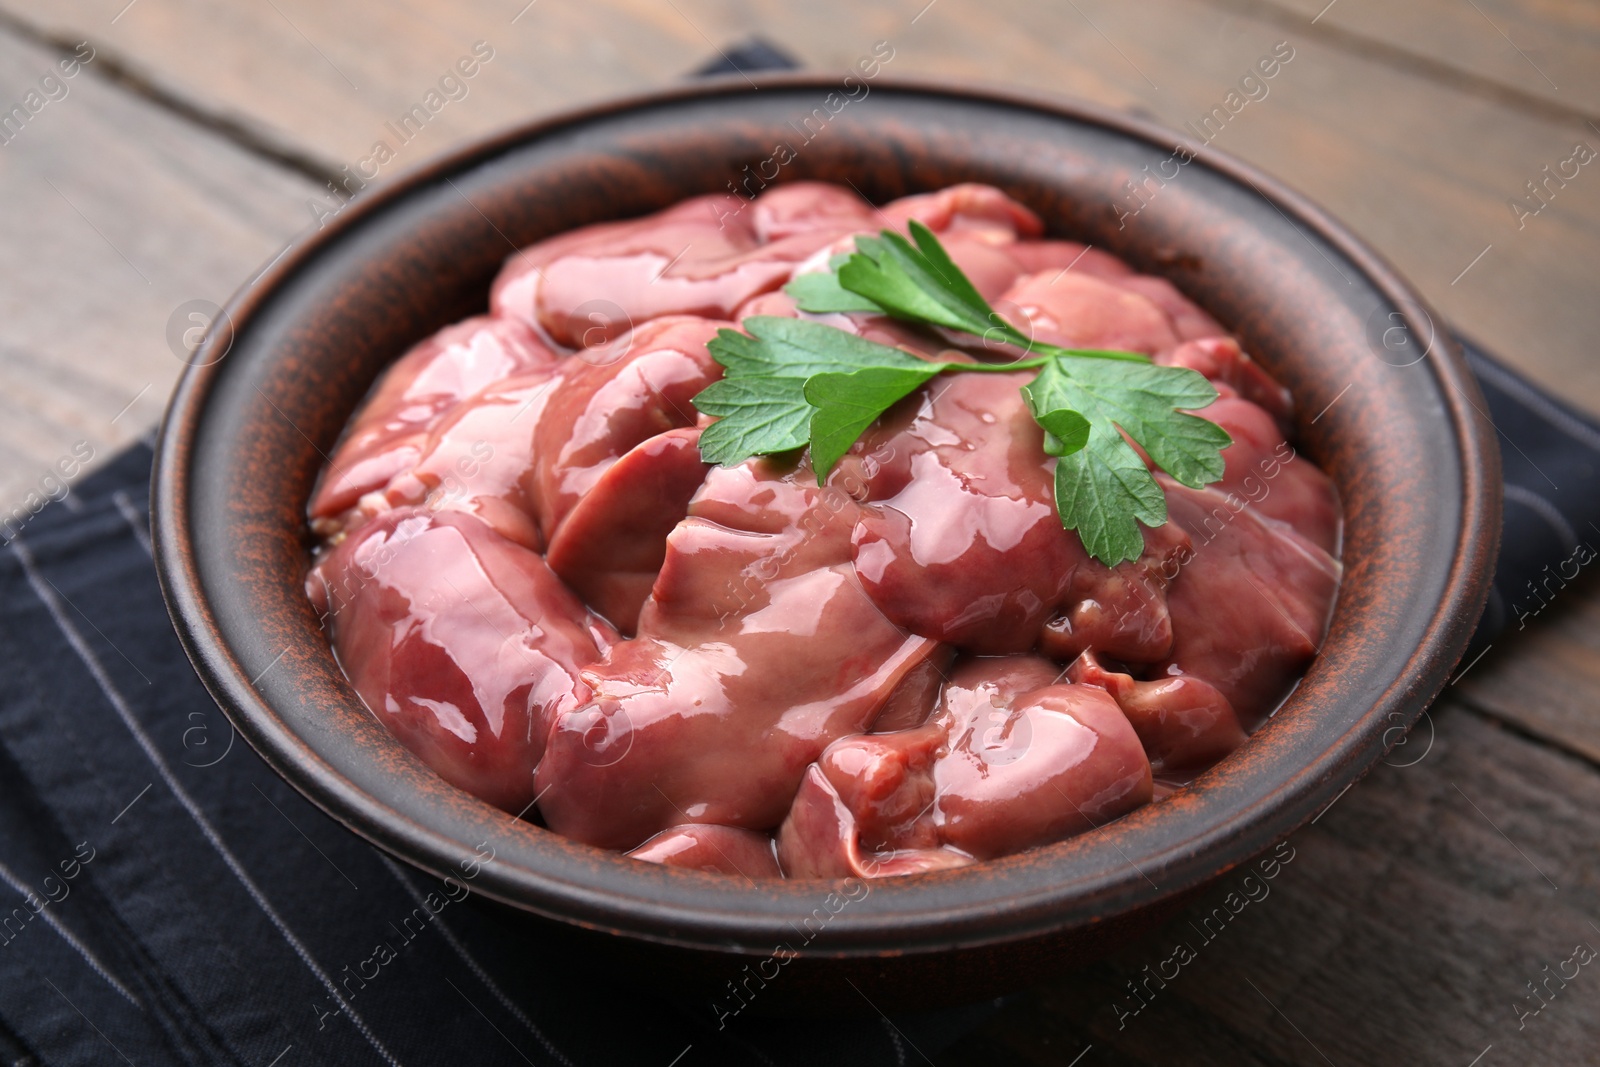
(461, 642)
(531, 577)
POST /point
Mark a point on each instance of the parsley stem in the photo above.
(1027, 344)
(1051, 352)
(998, 368)
(1090, 353)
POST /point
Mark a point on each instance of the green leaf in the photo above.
(1065, 431)
(1104, 486)
(902, 280)
(1101, 490)
(755, 417)
(938, 262)
(846, 404)
(1089, 353)
(1145, 400)
(795, 348)
(822, 293)
(791, 383)
(739, 353)
(922, 284)
(761, 404)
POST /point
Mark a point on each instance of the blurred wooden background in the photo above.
(188, 151)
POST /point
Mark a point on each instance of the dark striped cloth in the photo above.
(167, 899)
(1550, 453)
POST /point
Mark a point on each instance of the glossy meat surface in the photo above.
(532, 578)
(461, 642)
(1250, 604)
(1013, 757)
(712, 847)
(757, 648)
(702, 257)
(389, 434)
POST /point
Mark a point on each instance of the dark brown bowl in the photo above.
(1386, 407)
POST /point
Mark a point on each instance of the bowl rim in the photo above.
(1293, 800)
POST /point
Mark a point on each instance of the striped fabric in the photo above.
(1551, 456)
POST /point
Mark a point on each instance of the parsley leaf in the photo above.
(846, 404)
(1148, 402)
(1101, 489)
(1102, 485)
(796, 348)
(919, 283)
(755, 417)
(822, 293)
(910, 283)
(761, 403)
(1065, 431)
(792, 383)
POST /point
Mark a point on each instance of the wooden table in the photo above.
(191, 147)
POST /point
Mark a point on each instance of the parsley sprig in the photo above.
(793, 383)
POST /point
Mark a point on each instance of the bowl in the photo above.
(1385, 404)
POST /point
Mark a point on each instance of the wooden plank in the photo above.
(328, 79)
(1403, 930)
(1421, 169)
(1542, 51)
(1546, 678)
(115, 214)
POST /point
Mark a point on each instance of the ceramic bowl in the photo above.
(1385, 404)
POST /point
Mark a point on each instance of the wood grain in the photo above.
(1402, 931)
(1421, 169)
(1545, 678)
(1544, 50)
(115, 214)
